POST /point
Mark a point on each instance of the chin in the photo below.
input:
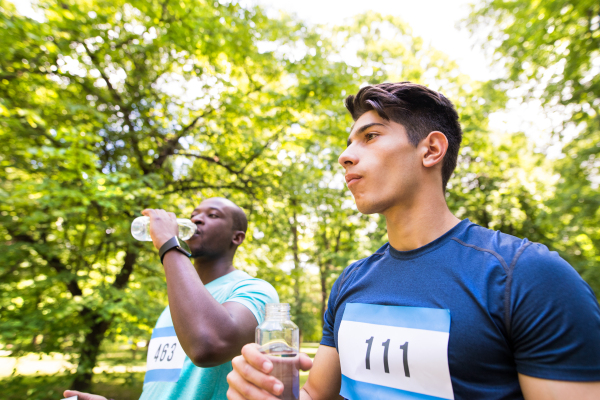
(365, 207)
(373, 203)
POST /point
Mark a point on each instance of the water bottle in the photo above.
(140, 229)
(279, 339)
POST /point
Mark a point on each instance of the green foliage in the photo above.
(551, 50)
(108, 108)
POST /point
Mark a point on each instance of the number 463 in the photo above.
(386, 367)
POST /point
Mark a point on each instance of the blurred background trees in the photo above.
(107, 108)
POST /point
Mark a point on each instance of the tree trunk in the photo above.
(89, 353)
(323, 269)
(98, 327)
(297, 271)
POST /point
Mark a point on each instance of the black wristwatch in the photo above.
(173, 244)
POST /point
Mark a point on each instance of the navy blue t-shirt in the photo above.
(488, 304)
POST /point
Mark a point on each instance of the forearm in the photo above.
(304, 395)
(207, 332)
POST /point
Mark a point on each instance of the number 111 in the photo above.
(386, 367)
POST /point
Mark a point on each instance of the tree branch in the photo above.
(171, 145)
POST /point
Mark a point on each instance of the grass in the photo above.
(120, 386)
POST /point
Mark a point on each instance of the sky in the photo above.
(438, 23)
(433, 20)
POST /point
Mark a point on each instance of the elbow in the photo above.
(207, 354)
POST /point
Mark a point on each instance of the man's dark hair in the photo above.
(419, 109)
(240, 221)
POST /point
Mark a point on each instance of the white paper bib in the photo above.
(165, 356)
(393, 352)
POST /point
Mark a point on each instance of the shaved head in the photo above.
(240, 221)
(238, 216)
(222, 227)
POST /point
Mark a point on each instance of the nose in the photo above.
(348, 158)
(198, 219)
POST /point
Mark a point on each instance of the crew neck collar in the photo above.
(409, 254)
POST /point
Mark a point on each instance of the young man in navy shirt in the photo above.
(447, 309)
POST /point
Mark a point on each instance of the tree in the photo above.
(550, 49)
(108, 108)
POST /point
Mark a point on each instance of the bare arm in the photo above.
(544, 389)
(210, 333)
(325, 378)
(250, 380)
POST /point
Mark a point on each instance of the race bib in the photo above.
(165, 356)
(393, 352)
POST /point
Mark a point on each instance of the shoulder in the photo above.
(364, 262)
(542, 269)
(351, 270)
(245, 283)
(507, 249)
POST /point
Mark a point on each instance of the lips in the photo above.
(352, 179)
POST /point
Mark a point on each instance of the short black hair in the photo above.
(240, 221)
(416, 107)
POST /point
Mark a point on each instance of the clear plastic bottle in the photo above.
(279, 338)
(140, 229)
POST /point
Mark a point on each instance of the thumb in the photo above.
(305, 362)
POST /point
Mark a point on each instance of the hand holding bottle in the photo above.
(163, 226)
(140, 229)
(251, 375)
(278, 355)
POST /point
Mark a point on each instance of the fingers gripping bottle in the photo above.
(279, 339)
(140, 229)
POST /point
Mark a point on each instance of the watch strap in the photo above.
(172, 244)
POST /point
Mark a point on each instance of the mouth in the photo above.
(352, 179)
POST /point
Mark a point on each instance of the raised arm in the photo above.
(210, 333)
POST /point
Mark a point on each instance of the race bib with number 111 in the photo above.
(394, 352)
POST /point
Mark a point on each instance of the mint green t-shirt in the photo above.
(188, 381)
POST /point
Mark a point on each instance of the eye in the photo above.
(370, 136)
(213, 215)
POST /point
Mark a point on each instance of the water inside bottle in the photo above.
(286, 361)
(140, 229)
(186, 228)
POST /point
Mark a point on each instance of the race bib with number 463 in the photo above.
(165, 356)
(394, 352)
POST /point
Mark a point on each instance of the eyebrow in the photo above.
(210, 208)
(364, 128)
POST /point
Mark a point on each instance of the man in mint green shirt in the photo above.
(213, 308)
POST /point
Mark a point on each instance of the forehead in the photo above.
(368, 118)
(214, 204)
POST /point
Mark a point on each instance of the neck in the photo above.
(421, 220)
(210, 269)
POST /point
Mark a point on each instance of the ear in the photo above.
(435, 147)
(238, 238)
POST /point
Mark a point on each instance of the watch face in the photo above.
(184, 246)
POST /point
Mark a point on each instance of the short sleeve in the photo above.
(555, 319)
(328, 338)
(254, 294)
